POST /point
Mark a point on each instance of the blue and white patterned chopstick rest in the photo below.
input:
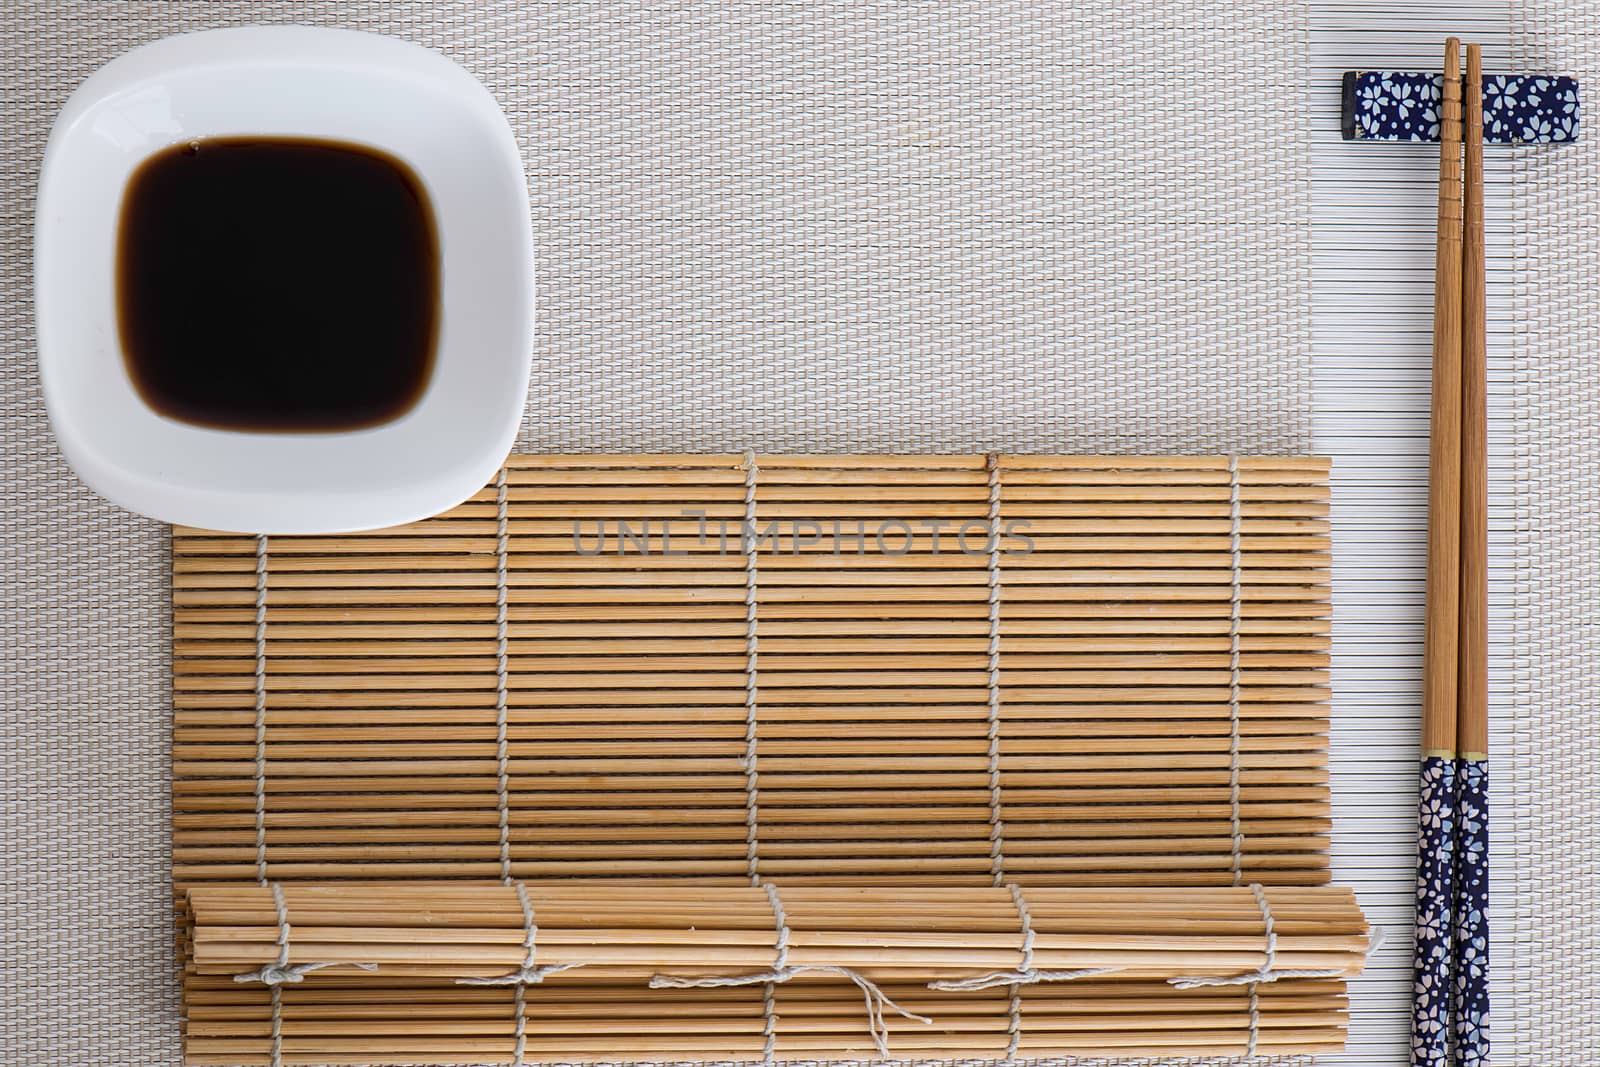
(1386, 105)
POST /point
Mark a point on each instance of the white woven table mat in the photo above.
(837, 226)
(905, 227)
(1550, 715)
(1373, 279)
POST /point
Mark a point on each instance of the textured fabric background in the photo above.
(910, 227)
(1551, 781)
(1373, 209)
(903, 227)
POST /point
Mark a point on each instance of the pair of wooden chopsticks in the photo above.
(1450, 1018)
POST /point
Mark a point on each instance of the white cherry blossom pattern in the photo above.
(1431, 956)
(1470, 1004)
(1517, 109)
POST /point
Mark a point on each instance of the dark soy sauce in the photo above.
(277, 284)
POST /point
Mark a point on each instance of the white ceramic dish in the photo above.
(307, 82)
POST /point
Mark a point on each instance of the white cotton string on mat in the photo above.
(530, 973)
(997, 833)
(782, 971)
(997, 862)
(1268, 971)
(752, 691)
(502, 674)
(752, 696)
(1235, 611)
(280, 971)
(261, 709)
(1026, 973)
(275, 974)
(261, 801)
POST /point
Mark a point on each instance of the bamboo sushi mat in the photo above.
(806, 670)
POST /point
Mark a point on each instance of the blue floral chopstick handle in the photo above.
(1436, 841)
(1471, 959)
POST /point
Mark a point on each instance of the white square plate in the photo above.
(288, 81)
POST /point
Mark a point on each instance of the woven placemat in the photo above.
(826, 226)
(1550, 784)
(1373, 249)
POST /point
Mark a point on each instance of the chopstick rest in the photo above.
(1388, 105)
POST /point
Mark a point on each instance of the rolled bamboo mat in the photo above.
(372, 963)
(646, 929)
(869, 671)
